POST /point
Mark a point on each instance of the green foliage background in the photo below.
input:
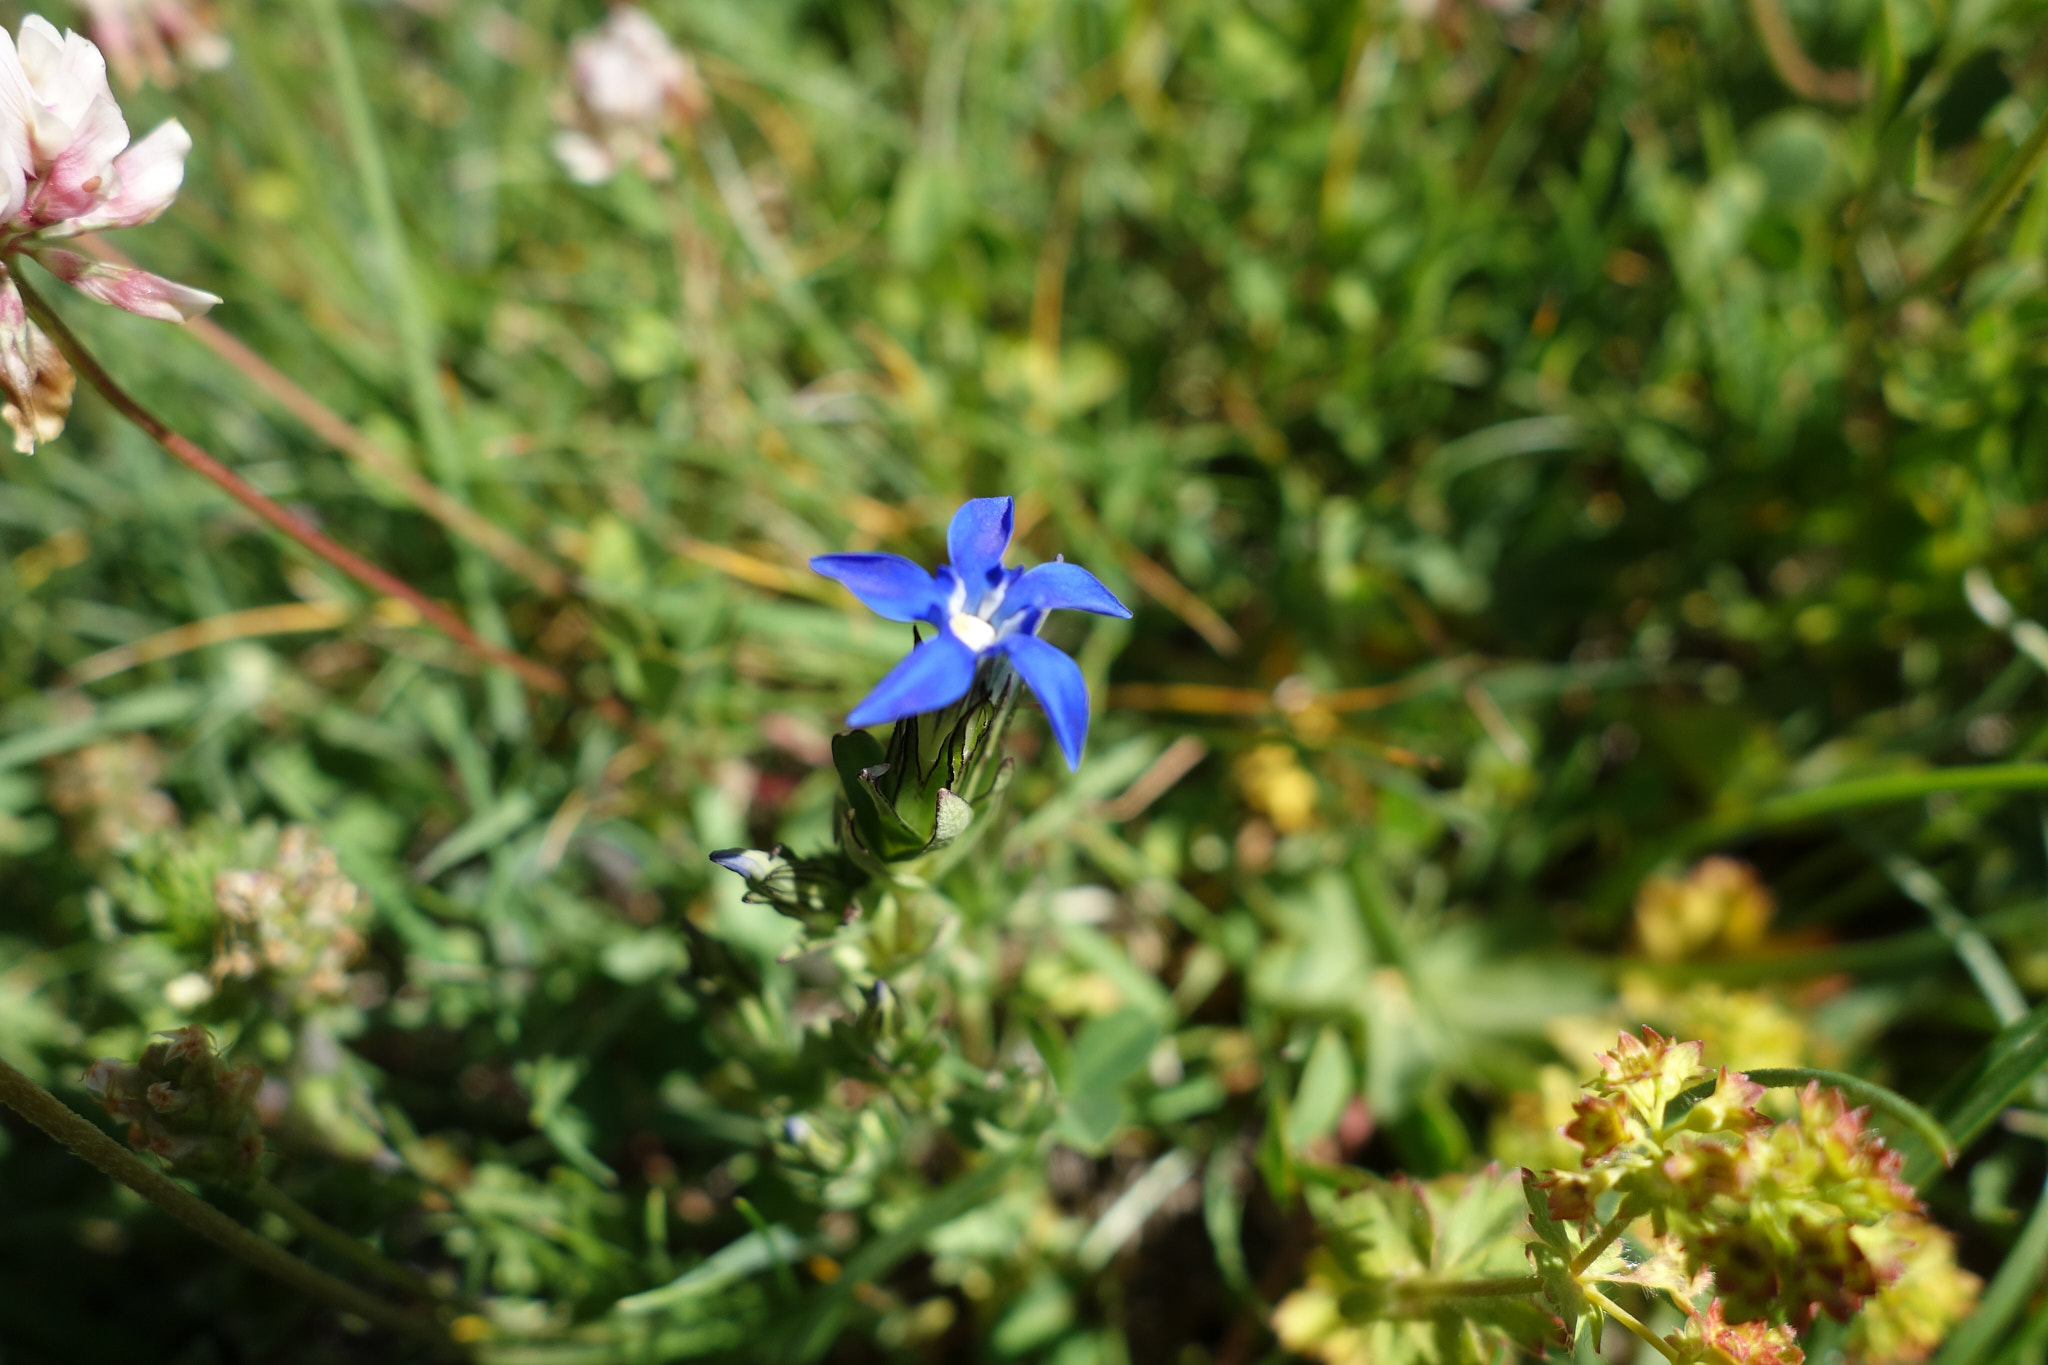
(1557, 433)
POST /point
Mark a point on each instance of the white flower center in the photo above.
(972, 631)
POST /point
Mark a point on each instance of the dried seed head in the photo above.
(299, 922)
(36, 384)
(187, 1106)
(108, 797)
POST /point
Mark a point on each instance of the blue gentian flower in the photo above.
(979, 609)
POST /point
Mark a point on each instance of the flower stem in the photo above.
(1634, 1324)
(354, 1250)
(1416, 1292)
(1590, 1252)
(536, 675)
(86, 1141)
(330, 426)
(2026, 160)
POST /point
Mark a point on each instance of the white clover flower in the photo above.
(629, 88)
(66, 167)
(155, 38)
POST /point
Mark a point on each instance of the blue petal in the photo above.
(1056, 681)
(889, 585)
(937, 673)
(976, 541)
(1053, 587)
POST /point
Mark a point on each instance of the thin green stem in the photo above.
(1975, 951)
(1634, 1324)
(1590, 1252)
(1416, 1293)
(2005, 1297)
(87, 1142)
(1796, 808)
(743, 207)
(1993, 202)
(408, 309)
(415, 323)
(354, 1250)
(1890, 1103)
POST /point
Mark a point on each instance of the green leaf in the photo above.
(2014, 1058)
(1223, 1217)
(737, 1260)
(1986, 1326)
(813, 1333)
(883, 833)
(1547, 1229)
(1035, 1317)
(1326, 1085)
(1107, 1051)
(1565, 1295)
(1110, 1049)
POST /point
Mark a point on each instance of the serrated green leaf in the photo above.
(1565, 1295)
(1547, 1229)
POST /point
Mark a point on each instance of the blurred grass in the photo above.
(1629, 417)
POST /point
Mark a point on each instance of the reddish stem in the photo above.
(458, 516)
(534, 674)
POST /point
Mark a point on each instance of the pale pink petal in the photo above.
(584, 157)
(42, 52)
(82, 175)
(65, 70)
(137, 291)
(147, 178)
(85, 69)
(17, 117)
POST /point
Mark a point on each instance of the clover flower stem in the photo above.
(351, 1249)
(534, 674)
(330, 426)
(743, 208)
(89, 1144)
(1590, 1252)
(1635, 1325)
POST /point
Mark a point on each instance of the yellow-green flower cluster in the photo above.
(1630, 1146)
(1708, 1338)
(1798, 1217)
(1792, 1218)
(1910, 1316)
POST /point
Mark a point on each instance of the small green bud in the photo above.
(186, 1105)
(818, 891)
